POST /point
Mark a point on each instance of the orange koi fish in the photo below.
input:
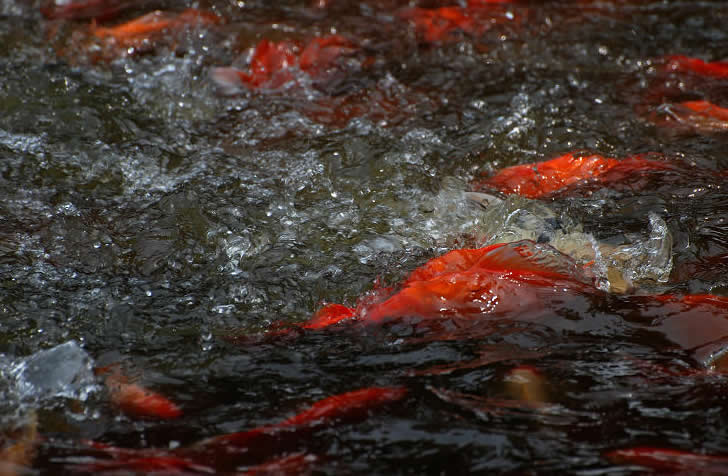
(438, 25)
(500, 279)
(708, 109)
(259, 443)
(135, 400)
(273, 64)
(663, 459)
(524, 281)
(345, 406)
(698, 115)
(133, 33)
(294, 465)
(686, 64)
(504, 278)
(550, 177)
(100, 10)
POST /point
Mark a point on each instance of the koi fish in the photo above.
(135, 400)
(273, 64)
(490, 406)
(437, 25)
(686, 64)
(527, 384)
(100, 10)
(345, 406)
(700, 115)
(259, 443)
(524, 281)
(501, 279)
(548, 178)
(294, 464)
(135, 32)
(663, 459)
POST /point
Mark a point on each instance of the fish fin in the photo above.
(451, 262)
(329, 315)
(670, 459)
(293, 464)
(229, 81)
(485, 200)
(531, 257)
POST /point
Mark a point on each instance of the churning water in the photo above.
(149, 218)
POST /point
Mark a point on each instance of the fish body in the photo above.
(100, 10)
(135, 400)
(274, 64)
(687, 64)
(504, 278)
(665, 105)
(270, 443)
(523, 214)
(520, 278)
(528, 282)
(563, 173)
(670, 460)
(139, 30)
(698, 115)
(444, 24)
(345, 406)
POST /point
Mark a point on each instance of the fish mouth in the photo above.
(483, 199)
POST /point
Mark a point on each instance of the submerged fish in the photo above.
(270, 444)
(100, 10)
(666, 104)
(568, 172)
(527, 282)
(523, 214)
(438, 25)
(670, 461)
(135, 400)
(697, 115)
(274, 64)
(139, 30)
(139, 35)
(687, 64)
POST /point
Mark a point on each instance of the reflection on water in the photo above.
(147, 218)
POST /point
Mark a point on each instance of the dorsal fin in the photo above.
(538, 258)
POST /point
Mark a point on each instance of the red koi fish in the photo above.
(526, 282)
(135, 400)
(438, 25)
(294, 465)
(259, 443)
(135, 32)
(101, 10)
(544, 179)
(504, 278)
(699, 115)
(686, 64)
(663, 459)
(273, 64)
(345, 406)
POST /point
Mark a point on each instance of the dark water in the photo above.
(145, 219)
